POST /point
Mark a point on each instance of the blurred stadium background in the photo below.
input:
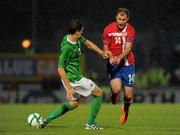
(30, 35)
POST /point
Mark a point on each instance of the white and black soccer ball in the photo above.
(33, 119)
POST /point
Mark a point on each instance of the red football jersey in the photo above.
(116, 40)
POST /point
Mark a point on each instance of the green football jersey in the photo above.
(70, 58)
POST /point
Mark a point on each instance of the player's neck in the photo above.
(72, 38)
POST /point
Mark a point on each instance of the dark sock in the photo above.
(127, 103)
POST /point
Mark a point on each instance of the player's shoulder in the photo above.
(130, 27)
(110, 26)
(65, 44)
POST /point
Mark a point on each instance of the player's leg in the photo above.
(86, 87)
(128, 81)
(128, 99)
(114, 74)
(61, 110)
(116, 86)
(95, 105)
(97, 94)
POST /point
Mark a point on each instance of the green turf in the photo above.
(144, 119)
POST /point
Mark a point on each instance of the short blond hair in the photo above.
(125, 10)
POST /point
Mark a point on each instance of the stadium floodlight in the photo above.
(26, 43)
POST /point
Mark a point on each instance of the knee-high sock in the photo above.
(95, 107)
(127, 103)
(65, 107)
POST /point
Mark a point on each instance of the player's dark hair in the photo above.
(74, 26)
(125, 10)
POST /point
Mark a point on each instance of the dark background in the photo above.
(44, 22)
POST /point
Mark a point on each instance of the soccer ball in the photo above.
(33, 119)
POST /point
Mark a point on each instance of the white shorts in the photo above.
(83, 87)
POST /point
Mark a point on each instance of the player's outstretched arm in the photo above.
(107, 52)
(95, 48)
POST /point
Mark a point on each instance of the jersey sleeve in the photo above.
(64, 56)
(105, 38)
(82, 40)
(131, 35)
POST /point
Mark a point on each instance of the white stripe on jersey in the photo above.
(124, 44)
(117, 34)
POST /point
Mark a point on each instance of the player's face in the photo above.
(79, 33)
(121, 20)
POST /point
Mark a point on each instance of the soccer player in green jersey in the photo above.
(75, 84)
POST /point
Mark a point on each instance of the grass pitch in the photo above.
(144, 119)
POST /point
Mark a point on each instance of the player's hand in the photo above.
(70, 93)
(107, 54)
(114, 60)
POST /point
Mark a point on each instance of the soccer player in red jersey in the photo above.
(118, 38)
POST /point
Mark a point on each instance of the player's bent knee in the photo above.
(100, 92)
(74, 104)
(128, 99)
(116, 90)
(97, 92)
(128, 96)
